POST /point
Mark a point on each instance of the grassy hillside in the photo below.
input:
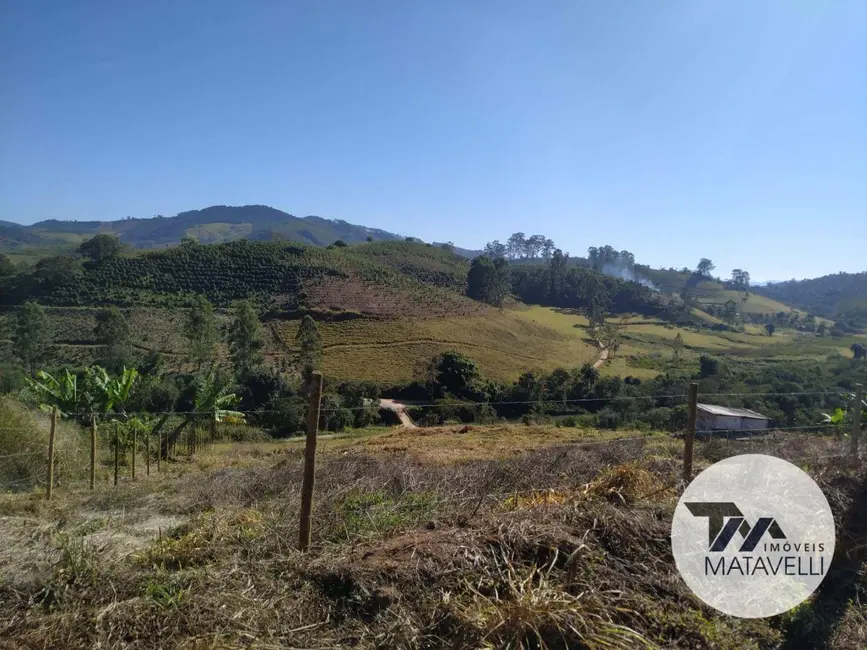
(504, 343)
(716, 294)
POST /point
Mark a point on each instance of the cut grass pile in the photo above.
(407, 554)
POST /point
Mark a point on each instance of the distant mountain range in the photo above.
(216, 224)
(213, 225)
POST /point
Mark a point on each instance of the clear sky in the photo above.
(729, 129)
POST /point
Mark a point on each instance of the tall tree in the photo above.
(557, 268)
(245, 340)
(201, 330)
(113, 334)
(495, 250)
(740, 280)
(548, 249)
(32, 335)
(625, 258)
(705, 266)
(310, 345)
(101, 247)
(533, 246)
(516, 245)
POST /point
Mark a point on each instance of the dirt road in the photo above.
(399, 410)
(603, 356)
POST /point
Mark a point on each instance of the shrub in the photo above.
(26, 432)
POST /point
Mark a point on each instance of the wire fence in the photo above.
(550, 402)
(116, 449)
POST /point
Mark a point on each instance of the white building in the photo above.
(710, 417)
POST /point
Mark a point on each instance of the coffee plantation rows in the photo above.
(383, 278)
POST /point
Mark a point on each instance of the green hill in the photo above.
(841, 296)
(382, 279)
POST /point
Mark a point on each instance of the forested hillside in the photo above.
(842, 296)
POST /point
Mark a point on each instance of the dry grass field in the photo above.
(483, 537)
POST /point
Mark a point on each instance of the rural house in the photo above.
(710, 417)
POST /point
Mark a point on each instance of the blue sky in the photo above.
(730, 129)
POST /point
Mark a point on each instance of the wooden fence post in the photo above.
(310, 461)
(856, 418)
(50, 485)
(134, 441)
(689, 437)
(116, 453)
(160, 448)
(147, 453)
(93, 451)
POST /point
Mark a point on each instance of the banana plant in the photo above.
(212, 404)
(96, 392)
(839, 416)
(114, 392)
(214, 399)
(62, 392)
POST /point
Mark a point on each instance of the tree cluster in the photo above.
(489, 280)
(519, 246)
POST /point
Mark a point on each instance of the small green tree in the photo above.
(113, 334)
(677, 347)
(310, 345)
(859, 350)
(452, 373)
(730, 312)
(708, 366)
(101, 247)
(609, 335)
(32, 335)
(201, 331)
(6, 266)
(245, 340)
(487, 280)
(770, 328)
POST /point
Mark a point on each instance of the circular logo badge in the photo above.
(753, 536)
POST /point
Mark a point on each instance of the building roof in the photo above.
(713, 409)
